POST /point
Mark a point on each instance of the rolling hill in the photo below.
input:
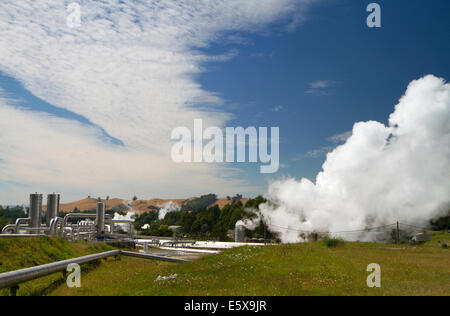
(139, 206)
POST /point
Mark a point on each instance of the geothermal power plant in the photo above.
(102, 227)
(97, 225)
(94, 226)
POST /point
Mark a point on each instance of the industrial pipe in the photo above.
(15, 228)
(19, 235)
(19, 223)
(11, 279)
(54, 225)
(9, 228)
(148, 256)
(81, 215)
(122, 221)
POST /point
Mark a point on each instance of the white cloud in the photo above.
(130, 69)
(51, 154)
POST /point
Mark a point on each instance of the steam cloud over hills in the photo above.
(382, 174)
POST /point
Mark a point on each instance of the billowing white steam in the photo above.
(167, 208)
(129, 216)
(381, 175)
(250, 223)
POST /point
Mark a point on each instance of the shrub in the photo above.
(333, 242)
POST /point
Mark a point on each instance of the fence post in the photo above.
(13, 290)
(398, 233)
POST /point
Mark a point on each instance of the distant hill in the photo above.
(139, 206)
(224, 201)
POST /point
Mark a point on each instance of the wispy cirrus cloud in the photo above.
(320, 87)
(337, 140)
(130, 69)
(315, 153)
(340, 138)
(262, 55)
(278, 108)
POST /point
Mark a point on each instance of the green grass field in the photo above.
(298, 269)
(20, 253)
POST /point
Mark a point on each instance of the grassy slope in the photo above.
(140, 206)
(300, 269)
(19, 253)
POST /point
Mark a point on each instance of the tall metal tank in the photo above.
(239, 233)
(52, 207)
(35, 210)
(100, 220)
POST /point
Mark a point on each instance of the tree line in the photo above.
(196, 218)
(9, 215)
(211, 222)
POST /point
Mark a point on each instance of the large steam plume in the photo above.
(381, 175)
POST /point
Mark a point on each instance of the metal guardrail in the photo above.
(20, 235)
(12, 279)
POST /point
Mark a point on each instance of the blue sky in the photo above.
(368, 70)
(314, 82)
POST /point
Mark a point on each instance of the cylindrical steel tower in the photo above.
(52, 207)
(35, 210)
(239, 233)
(100, 220)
